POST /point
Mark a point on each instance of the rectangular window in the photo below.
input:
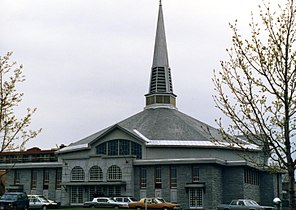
(195, 174)
(143, 178)
(124, 147)
(33, 179)
(136, 150)
(196, 198)
(113, 147)
(45, 179)
(17, 177)
(58, 178)
(77, 194)
(102, 149)
(173, 176)
(251, 176)
(157, 175)
(113, 191)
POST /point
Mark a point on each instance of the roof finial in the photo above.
(159, 2)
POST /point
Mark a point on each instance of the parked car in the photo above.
(41, 202)
(154, 203)
(125, 199)
(14, 200)
(104, 202)
(243, 204)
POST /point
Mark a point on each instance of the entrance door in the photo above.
(195, 197)
(76, 195)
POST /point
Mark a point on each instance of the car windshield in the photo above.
(251, 203)
(157, 201)
(43, 199)
(133, 199)
(10, 197)
(161, 200)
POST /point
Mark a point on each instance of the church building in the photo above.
(158, 152)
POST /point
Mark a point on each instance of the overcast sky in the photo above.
(87, 62)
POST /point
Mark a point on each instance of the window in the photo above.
(157, 174)
(113, 147)
(77, 174)
(195, 174)
(113, 191)
(76, 194)
(137, 150)
(95, 191)
(143, 178)
(33, 179)
(124, 147)
(173, 176)
(17, 177)
(58, 178)
(251, 176)
(196, 198)
(114, 173)
(45, 179)
(95, 173)
(102, 149)
(120, 147)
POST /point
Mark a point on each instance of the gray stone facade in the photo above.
(182, 163)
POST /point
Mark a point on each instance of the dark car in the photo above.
(243, 204)
(14, 200)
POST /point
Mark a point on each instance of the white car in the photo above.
(124, 199)
(104, 202)
(40, 202)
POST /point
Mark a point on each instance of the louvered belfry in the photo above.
(161, 88)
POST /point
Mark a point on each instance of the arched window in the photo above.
(77, 174)
(120, 147)
(95, 173)
(114, 173)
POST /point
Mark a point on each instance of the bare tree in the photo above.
(14, 132)
(255, 87)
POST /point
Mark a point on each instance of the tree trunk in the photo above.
(291, 187)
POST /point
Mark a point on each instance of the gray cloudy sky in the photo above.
(87, 62)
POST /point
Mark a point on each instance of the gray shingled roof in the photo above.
(167, 124)
(158, 124)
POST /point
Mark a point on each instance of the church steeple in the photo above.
(161, 88)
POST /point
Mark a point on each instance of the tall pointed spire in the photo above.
(161, 88)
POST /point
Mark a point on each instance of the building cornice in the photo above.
(31, 165)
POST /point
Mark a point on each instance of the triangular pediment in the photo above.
(116, 132)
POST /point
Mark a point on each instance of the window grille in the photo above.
(195, 174)
(173, 176)
(120, 147)
(45, 179)
(113, 191)
(143, 178)
(251, 176)
(33, 179)
(58, 178)
(113, 147)
(124, 147)
(196, 198)
(77, 195)
(157, 174)
(95, 173)
(77, 174)
(17, 177)
(137, 150)
(102, 149)
(114, 173)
